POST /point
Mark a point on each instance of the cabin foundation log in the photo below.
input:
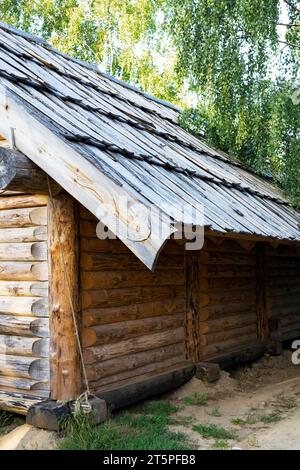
(127, 395)
(48, 414)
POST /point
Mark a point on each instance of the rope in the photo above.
(82, 402)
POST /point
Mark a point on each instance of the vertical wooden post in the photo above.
(261, 293)
(63, 240)
(193, 305)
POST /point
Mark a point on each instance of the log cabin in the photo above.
(130, 316)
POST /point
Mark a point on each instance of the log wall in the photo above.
(227, 297)
(133, 321)
(24, 325)
(283, 291)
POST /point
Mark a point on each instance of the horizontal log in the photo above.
(15, 401)
(133, 345)
(19, 173)
(284, 281)
(156, 367)
(22, 201)
(275, 272)
(115, 279)
(219, 259)
(226, 323)
(283, 262)
(223, 246)
(222, 336)
(26, 217)
(244, 283)
(282, 301)
(217, 311)
(23, 251)
(24, 346)
(24, 367)
(228, 346)
(227, 271)
(283, 291)
(127, 296)
(24, 306)
(21, 235)
(23, 384)
(103, 316)
(23, 271)
(228, 297)
(25, 326)
(132, 390)
(125, 262)
(283, 251)
(90, 243)
(105, 334)
(23, 289)
(111, 367)
(278, 311)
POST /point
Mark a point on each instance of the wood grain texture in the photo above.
(63, 267)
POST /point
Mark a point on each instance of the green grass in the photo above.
(134, 430)
(196, 399)
(220, 444)
(9, 419)
(244, 421)
(272, 418)
(215, 412)
(286, 402)
(212, 430)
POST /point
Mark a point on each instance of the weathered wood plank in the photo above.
(115, 279)
(24, 306)
(23, 251)
(227, 323)
(133, 345)
(127, 296)
(24, 367)
(23, 271)
(110, 367)
(107, 315)
(192, 305)
(23, 201)
(21, 235)
(23, 289)
(26, 217)
(24, 346)
(105, 334)
(25, 326)
(125, 262)
(16, 401)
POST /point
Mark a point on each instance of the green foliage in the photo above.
(212, 430)
(221, 444)
(198, 399)
(248, 421)
(272, 418)
(126, 431)
(8, 420)
(235, 61)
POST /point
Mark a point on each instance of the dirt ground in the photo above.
(259, 403)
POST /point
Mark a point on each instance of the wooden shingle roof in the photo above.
(100, 138)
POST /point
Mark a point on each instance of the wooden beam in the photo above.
(193, 305)
(249, 237)
(261, 296)
(63, 269)
(95, 190)
(19, 174)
